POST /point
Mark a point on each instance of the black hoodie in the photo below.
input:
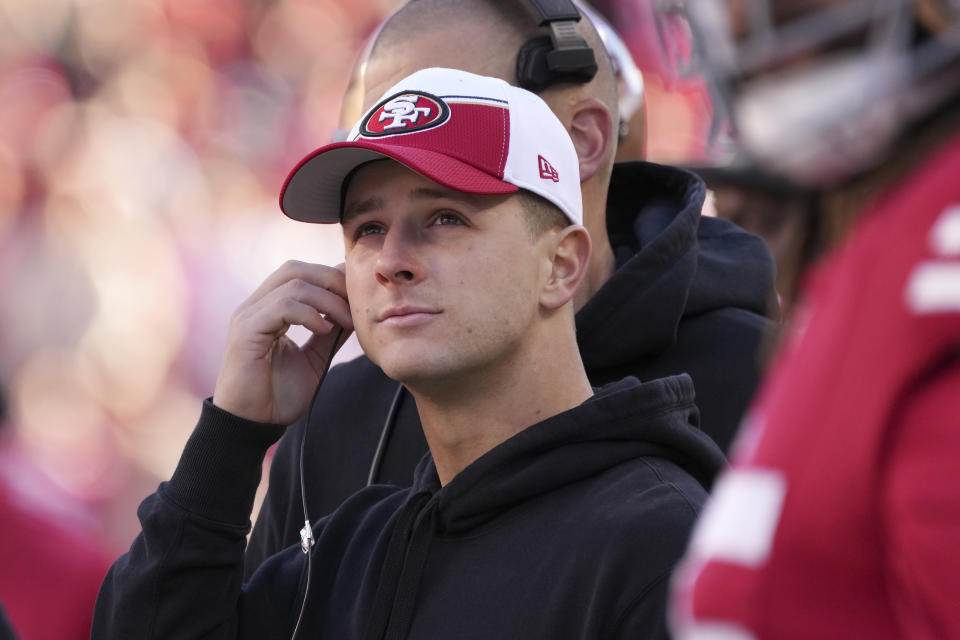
(689, 295)
(567, 530)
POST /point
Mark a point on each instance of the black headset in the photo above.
(562, 56)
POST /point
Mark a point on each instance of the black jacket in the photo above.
(689, 295)
(567, 530)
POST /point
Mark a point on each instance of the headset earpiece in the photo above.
(532, 72)
(539, 64)
(562, 56)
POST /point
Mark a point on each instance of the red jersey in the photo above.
(839, 516)
(51, 565)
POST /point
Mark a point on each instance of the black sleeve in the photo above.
(182, 576)
(281, 514)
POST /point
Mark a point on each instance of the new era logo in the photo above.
(547, 172)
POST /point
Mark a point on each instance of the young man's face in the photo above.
(440, 282)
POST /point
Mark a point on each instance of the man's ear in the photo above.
(570, 258)
(594, 135)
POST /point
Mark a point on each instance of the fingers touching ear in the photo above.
(594, 135)
(570, 259)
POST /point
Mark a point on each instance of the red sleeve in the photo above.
(921, 509)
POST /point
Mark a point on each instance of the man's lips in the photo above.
(406, 315)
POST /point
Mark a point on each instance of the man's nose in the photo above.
(397, 262)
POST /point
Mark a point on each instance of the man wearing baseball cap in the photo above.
(667, 291)
(544, 508)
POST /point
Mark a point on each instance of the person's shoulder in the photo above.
(360, 520)
(650, 495)
(735, 269)
(725, 344)
(727, 330)
(639, 514)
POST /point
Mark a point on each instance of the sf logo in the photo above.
(403, 110)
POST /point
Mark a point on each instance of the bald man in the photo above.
(666, 291)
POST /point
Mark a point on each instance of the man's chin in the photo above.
(410, 373)
(419, 363)
(417, 370)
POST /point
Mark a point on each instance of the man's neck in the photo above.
(467, 417)
(602, 260)
(602, 265)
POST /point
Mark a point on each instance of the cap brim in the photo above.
(312, 191)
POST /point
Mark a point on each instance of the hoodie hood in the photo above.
(623, 421)
(672, 264)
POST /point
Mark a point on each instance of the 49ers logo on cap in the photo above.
(405, 113)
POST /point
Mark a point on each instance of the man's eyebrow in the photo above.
(366, 205)
(435, 193)
(358, 207)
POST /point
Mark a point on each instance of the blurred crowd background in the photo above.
(143, 144)
(142, 147)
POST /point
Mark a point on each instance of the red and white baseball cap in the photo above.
(467, 132)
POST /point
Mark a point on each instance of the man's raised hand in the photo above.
(266, 376)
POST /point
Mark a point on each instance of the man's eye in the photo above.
(367, 229)
(447, 218)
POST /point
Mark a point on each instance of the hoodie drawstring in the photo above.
(409, 587)
(403, 565)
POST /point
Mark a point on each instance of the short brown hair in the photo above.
(540, 214)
